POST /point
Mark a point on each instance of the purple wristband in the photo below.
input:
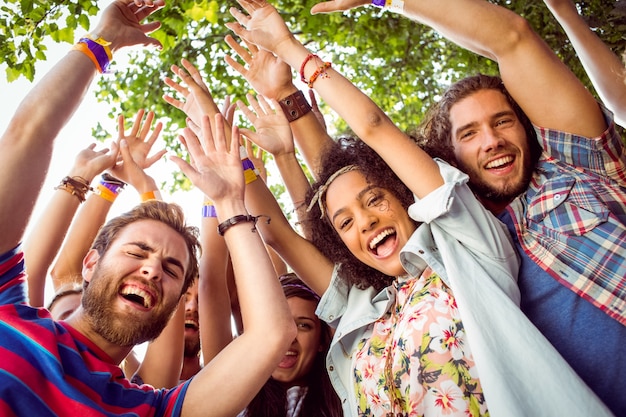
(99, 52)
(378, 3)
(247, 164)
(208, 210)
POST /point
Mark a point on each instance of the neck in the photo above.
(80, 323)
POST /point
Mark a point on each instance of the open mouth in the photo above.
(191, 324)
(137, 296)
(383, 242)
(500, 163)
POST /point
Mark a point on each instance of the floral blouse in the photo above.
(417, 361)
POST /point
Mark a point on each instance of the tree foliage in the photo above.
(402, 65)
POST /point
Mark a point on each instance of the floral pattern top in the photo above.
(417, 360)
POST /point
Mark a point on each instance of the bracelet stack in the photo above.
(77, 186)
(109, 187)
(320, 72)
(97, 50)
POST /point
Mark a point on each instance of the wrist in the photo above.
(229, 207)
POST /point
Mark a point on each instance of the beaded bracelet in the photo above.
(240, 218)
(320, 72)
(77, 186)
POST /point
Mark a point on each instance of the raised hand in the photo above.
(267, 74)
(138, 142)
(217, 169)
(120, 23)
(263, 26)
(256, 157)
(272, 131)
(197, 99)
(89, 162)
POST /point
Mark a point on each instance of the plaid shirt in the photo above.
(572, 219)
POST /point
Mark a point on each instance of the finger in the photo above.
(194, 127)
(230, 113)
(176, 86)
(154, 158)
(251, 47)
(240, 50)
(255, 105)
(120, 126)
(234, 64)
(189, 171)
(313, 98)
(192, 143)
(174, 102)
(147, 124)
(247, 112)
(267, 109)
(326, 7)
(137, 124)
(249, 149)
(155, 134)
(195, 74)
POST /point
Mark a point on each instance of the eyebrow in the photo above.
(171, 260)
(358, 197)
(494, 116)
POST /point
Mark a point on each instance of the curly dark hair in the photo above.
(434, 134)
(351, 151)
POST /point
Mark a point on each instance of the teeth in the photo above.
(192, 323)
(380, 237)
(499, 162)
(145, 296)
(290, 353)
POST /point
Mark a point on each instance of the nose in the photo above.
(367, 221)
(151, 269)
(191, 304)
(491, 139)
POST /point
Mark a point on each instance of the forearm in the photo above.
(295, 181)
(311, 138)
(26, 146)
(69, 264)
(213, 297)
(163, 361)
(604, 68)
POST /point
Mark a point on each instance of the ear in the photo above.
(90, 261)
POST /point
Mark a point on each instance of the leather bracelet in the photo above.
(295, 106)
(240, 218)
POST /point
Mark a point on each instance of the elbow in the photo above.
(519, 33)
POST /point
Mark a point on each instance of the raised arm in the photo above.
(606, 71)
(46, 237)
(140, 141)
(26, 145)
(266, 29)
(547, 91)
(272, 78)
(238, 372)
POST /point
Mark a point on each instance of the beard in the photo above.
(192, 347)
(501, 195)
(114, 326)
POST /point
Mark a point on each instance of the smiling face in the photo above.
(135, 286)
(491, 146)
(192, 326)
(370, 221)
(300, 357)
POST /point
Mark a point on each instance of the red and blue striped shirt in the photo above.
(47, 368)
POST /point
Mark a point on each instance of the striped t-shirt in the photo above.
(47, 368)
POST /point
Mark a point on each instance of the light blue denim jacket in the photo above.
(472, 252)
